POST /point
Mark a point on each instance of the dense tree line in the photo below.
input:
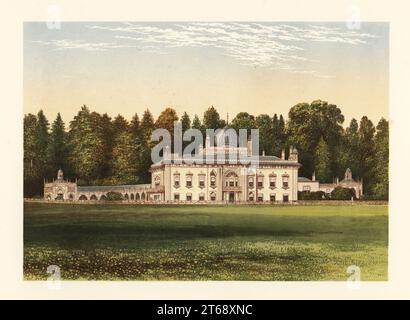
(100, 150)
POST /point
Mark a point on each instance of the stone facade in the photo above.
(174, 180)
(305, 184)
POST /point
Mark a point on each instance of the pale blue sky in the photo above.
(258, 67)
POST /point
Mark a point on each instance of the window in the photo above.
(213, 181)
(177, 180)
(306, 188)
(201, 197)
(272, 181)
(189, 180)
(272, 197)
(213, 196)
(260, 197)
(176, 196)
(285, 181)
(250, 182)
(188, 197)
(260, 182)
(285, 198)
(201, 180)
(251, 196)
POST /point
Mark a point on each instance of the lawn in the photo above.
(132, 242)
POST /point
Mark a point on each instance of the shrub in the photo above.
(317, 195)
(340, 193)
(114, 196)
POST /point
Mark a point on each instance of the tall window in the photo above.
(188, 180)
(272, 181)
(260, 197)
(251, 182)
(285, 181)
(188, 197)
(176, 196)
(272, 197)
(177, 181)
(260, 182)
(285, 198)
(213, 181)
(213, 196)
(202, 197)
(201, 180)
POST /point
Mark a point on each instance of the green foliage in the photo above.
(114, 196)
(316, 195)
(212, 119)
(340, 193)
(322, 165)
(99, 150)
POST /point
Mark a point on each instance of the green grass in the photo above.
(131, 242)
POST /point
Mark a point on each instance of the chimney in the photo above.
(314, 176)
(263, 153)
(283, 154)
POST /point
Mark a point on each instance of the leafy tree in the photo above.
(212, 119)
(243, 120)
(322, 164)
(166, 121)
(32, 178)
(265, 125)
(307, 124)
(58, 147)
(366, 153)
(381, 186)
(147, 125)
(135, 126)
(119, 126)
(186, 122)
(42, 140)
(87, 144)
(124, 159)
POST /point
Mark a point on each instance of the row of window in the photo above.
(230, 181)
(212, 197)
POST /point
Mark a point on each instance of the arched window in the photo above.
(132, 196)
(213, 179)
(83, 197)
(137, 197)
(285, 181)
(231, 179)
(143, 196)
(93, 197)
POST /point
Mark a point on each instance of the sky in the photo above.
(254, 67)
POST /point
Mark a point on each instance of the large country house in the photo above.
(211, 177)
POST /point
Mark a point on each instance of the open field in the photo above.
(130, 242)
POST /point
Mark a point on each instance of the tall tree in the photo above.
(366, 153)
(243, 120)
(119, 126)
(124, 159)
(186, 122)
(322, 164)
(380, 189)
(42, 140)
(264, 123)
(32, 178)
(147, 125)
(212, 119)
(58, 147)
(307, 124)
(135, 126)
(87, 145)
